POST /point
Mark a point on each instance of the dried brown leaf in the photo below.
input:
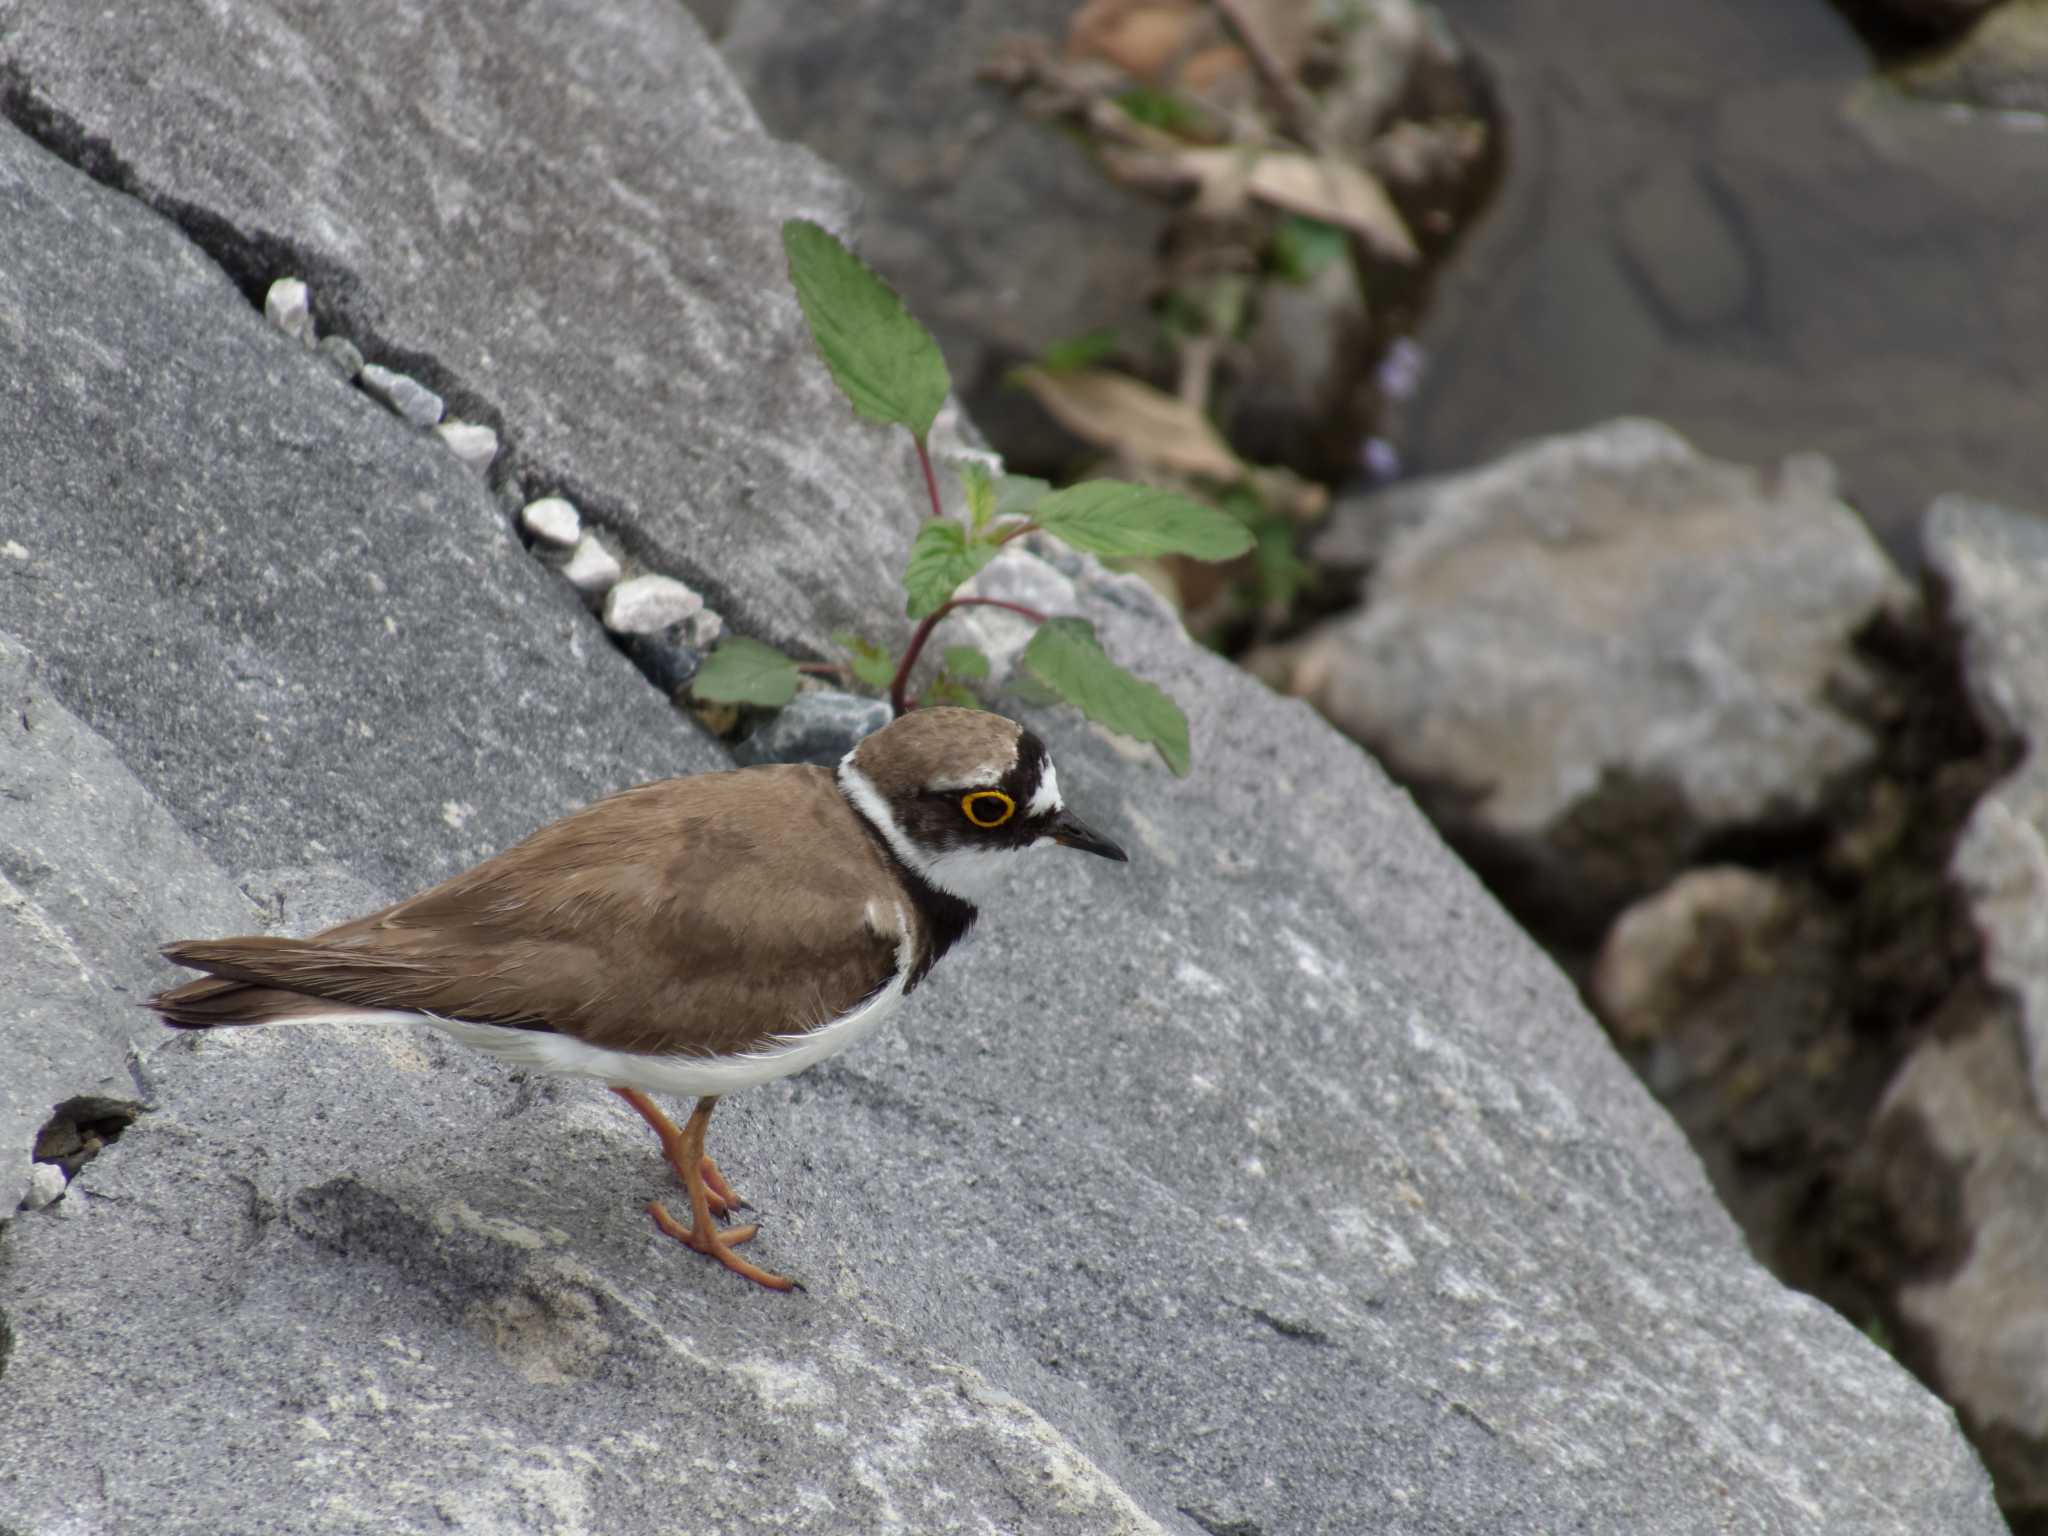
(1147, 425)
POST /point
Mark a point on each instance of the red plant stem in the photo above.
(931, 483)
(1017, 532)
(898, 685)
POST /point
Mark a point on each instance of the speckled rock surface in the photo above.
(569, 215)
(1603, 650)
(1964, 1118)
(89, 858)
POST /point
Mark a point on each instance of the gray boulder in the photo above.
(89, 858)
(1602, 651)
(2000, 63)
(1271, 1182)
(571, 232)
(1960, 1158)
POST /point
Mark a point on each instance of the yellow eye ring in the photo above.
(988, 807)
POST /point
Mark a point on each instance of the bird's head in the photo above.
(958, 793)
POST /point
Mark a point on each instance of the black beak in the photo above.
(1071, 830)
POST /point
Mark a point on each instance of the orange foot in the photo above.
(707, 1189)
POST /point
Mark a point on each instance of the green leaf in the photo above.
(1282, 573)
(1303, 247)
(947, 690)
(944, 555)
(1029, 691)
(1016, 495)
(869, 662)
(1066, 656)
(966, 661)
(980, 487)
(1083, 351)
(882, 359)
(743, 671)
(1161, 109)
(1108, 517)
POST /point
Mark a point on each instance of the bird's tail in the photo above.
(242, 986)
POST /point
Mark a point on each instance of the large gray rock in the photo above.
(1271, 1182)
(90, 861)
(279, 605)
(1604, 650)
(1961, 1161)
(1993, 565)
(565, 220)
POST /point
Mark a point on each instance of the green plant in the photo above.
(889, 367)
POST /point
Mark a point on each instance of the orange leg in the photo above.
(685, 1152)
(723, 1201)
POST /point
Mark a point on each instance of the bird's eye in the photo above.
(988, 807)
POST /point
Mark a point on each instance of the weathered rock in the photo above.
(627, 322)
(1958, 1170)
(1337, 1153)
(46, 1183)
(288, 305)
(2000, 63)
(1707, 926)
(646, 604)
(406, 395)
(819, 727)
(1961, 1162)
(471, 442)
(337, 644)
(1994, 567)
(1602, 651)
(592, 569)
(89, 859)
(342, 355)
(553, 521)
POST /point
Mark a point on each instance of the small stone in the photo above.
(666, 659)
(553, 521)
(14, 549)
(592, 568)
(345, 356)
(404, 394)
(704, 628)
(820, 727)
(476, 445)
(289, 306)
(45, 1183)
(647, 604)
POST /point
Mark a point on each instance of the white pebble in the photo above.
(592, 568)
(475, 445)
(14, 549)
(404, 394)
(703, 628)
(553, 521)
(45, 1183)
(647, 605)
(289, 306)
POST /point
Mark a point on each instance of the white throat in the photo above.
(967, 873)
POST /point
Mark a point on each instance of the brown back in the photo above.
(693, 915)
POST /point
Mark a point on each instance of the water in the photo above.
(1715, 214)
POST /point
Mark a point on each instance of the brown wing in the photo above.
(691, 915)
